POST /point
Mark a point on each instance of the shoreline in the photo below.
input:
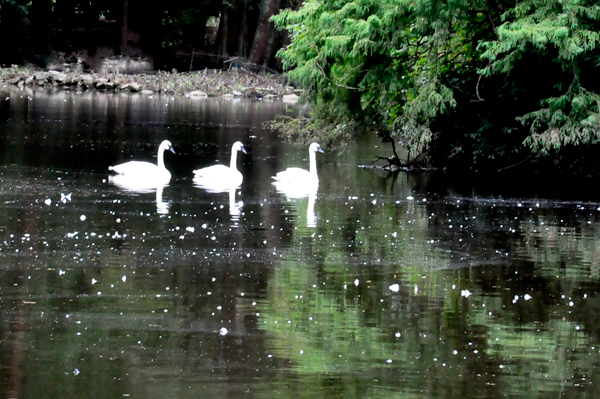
(236, 83)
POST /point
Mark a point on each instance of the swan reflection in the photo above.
(299, 191)
(235, 207)
(215, 186)
(142, 186)
(162, 207)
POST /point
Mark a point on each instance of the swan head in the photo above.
(238, 146)
(315, 147)
(166, 145)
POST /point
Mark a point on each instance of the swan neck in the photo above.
(233, 163)
(161, 159)
(313, 163)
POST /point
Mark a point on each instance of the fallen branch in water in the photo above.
(393, 162)
(515, 164)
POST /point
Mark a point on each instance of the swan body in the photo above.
(220, 178)
(146, 173)
(301, 177)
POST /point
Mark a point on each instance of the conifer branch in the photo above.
(342, 85)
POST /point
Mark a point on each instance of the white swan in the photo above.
(146, 173)
(302, 177)
(220, 178)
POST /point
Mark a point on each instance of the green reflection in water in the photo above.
(404, 297)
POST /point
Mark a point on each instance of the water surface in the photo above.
(411, 286)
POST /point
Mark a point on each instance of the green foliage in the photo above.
(563, 33)
(19, 6)
(461, 74)
(329, 132)
(379, 62)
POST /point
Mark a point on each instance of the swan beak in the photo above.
(172, 150)
(243, 149)
(320, 150)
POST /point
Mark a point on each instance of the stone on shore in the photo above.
(290, 98)
(41, 75)
(197, 93)
(58, 76)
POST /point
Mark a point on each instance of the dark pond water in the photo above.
(415, 286)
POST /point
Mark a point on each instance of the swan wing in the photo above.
(134, 168)
(293, 175)
(215, 171)
(217, 178)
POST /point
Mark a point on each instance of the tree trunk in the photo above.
(264, 31)
(39, 17)
(274, 43)
(200, 42)
(242, 49)
(124, 28)
(222, 32)
(10, 27)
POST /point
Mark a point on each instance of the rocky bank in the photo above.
(206, 83)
